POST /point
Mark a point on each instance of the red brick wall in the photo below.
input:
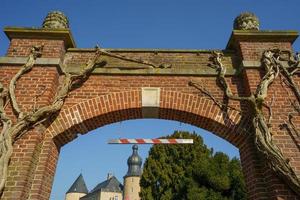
(21, 47)
(104, 99)
(282, 96)
(252, 50)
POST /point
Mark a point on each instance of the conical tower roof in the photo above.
(78, 186)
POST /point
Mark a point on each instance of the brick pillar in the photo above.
(250, 45)
(22, 164)
(33, 163)
(45, 170)
(253, 170)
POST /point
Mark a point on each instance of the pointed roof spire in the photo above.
(78, 186)
(134, 163)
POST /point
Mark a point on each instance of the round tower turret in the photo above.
(132, 177)
(134, 163)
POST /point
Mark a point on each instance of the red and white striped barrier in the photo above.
(151, 141)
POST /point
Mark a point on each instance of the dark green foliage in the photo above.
(191, 172)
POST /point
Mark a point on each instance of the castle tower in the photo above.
(77, 190)
(132, 178)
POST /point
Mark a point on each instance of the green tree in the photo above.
(191, 172)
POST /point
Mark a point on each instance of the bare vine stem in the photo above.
(12, 131)
(269, 107)
(140, 61)
(35, 52)
(294, 61)
(293, 125)
(292, 84)
(25, 121)
(263, 136)
(210, 96)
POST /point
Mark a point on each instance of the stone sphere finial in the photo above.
(56, 20)
(246, 21)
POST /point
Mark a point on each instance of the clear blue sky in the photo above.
(140, 24)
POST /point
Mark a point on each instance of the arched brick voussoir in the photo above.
(114, 107)
(74, 120)
(204, 113)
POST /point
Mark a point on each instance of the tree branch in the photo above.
(289, 78)
(3, 100)
(140, 61)
(263, 136)
(221, 69)
(11, 132)
(210, 96)
(5, 139)
(294, 61)
(269, 107)
(293, 125)
(273, 155)
(5, 151)
(35, 52)
(68, 82)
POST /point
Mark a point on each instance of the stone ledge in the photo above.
(40, 33)
(265, 35)
(22, 60)
(151, 50)
(157, 71)
(205, 71)
(256, 64)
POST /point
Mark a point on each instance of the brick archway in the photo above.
(119, 106)
(115, 92)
